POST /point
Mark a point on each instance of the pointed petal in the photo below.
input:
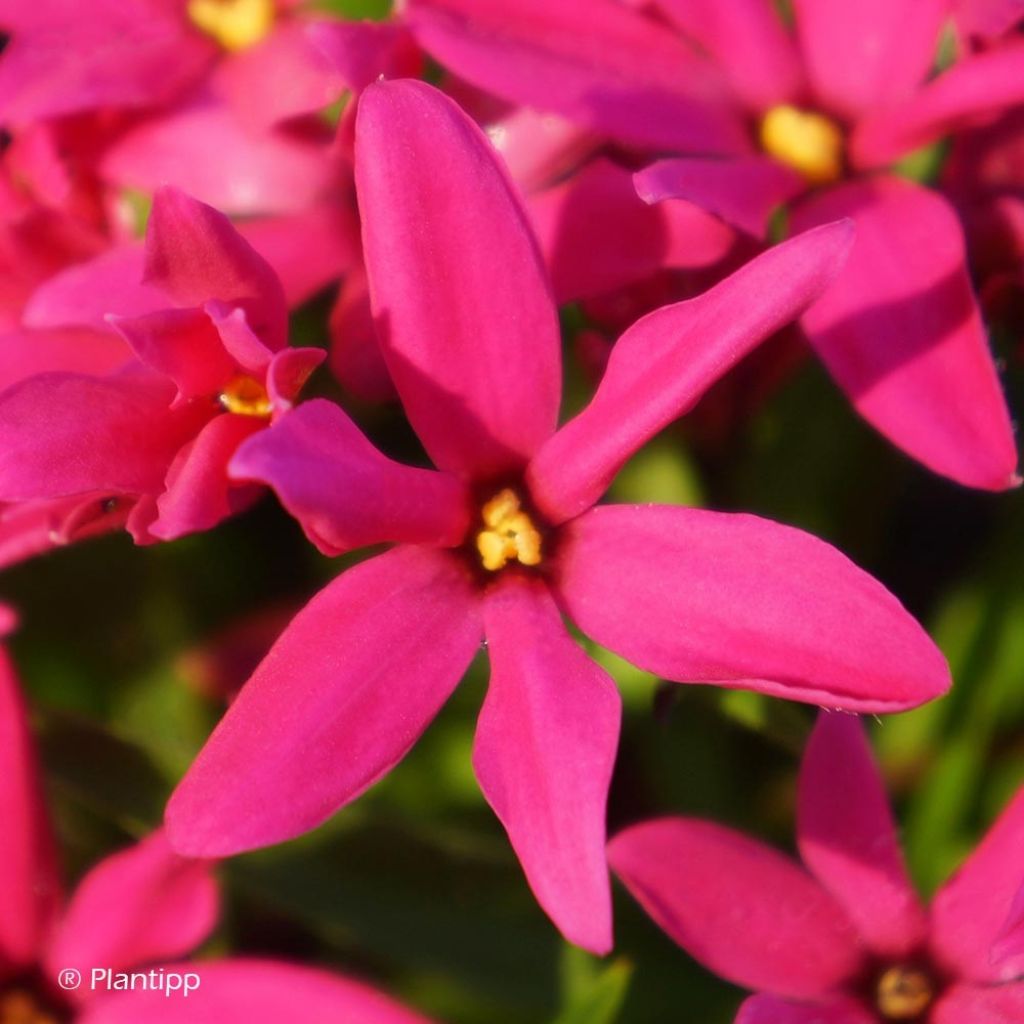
(344, 693)
(847, 837)
(28, 869)
(866, 55)
(194, 254)
(343, 491)
(969, 911)
(663, 364)
(749, 40)
(142, 904)
(743, 910)
(472, 342)
(587, 260)
(713, 597)
(251, 991)
(593, 61)
(901, 332)
(766, 1009)
(969, 1004)
(744, 191)
(544, 751)
(974, 89)
(198, 492)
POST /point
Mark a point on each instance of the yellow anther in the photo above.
(235, 24)
(245, 396)
(810, 143)
(903, 993)
(510, 533)
(19, 1007)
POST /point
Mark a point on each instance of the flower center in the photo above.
(245, 396)
(19, 1006)
(903, 993)
(235, 24)
(508, 534)
(808, 142)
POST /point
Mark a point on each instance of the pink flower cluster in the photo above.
(699, 175)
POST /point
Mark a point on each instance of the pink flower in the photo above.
(208, 332)
(502, 540)
(843, 938)
(138, 910)
(811, 120)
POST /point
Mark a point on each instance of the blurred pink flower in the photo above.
(810, 119)
(502, 539)
(203, 364)
(139, 909)
(843, 938)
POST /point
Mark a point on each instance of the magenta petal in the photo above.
(362, 51)
(749, 40)
(901, 332)
(861, 56)
(970, 910)
(1010, 940)
(142, 904)
(344, 693)
(249, 991)
(288, 372)
(970, 1004)
(663, 364)
(744, 191)
(28, 871)
(974, 89)
(712, 597)
(355, 358)
(594, 61)
(765, 1009)
(343, 491)
(25, 353)
(988, 18)
(472, 341)
(194, 254)
(587, 260)
(743, 910)
(544, 751)
(848, 839)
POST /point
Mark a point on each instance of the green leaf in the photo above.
(594, 994)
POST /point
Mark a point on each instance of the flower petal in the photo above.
(594, 61)
(26, 353)
(901, 332)
(28, 867)
(969, 911)
(988, 18)
(765, 1009)
(544, 751)
(969, 1004)
(142, 904)
(287, 374)
(344, 693)
(970, 91)
(848, 839)
(743, 910)
(713, 597)
(866, 55)
(343, 491)
(194, 254)
(250, 991)
(663, 364)
(472, 341)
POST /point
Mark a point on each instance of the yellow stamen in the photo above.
(810, 143)
(235, 24)
(903, 993)
(246, 396)
(19, 1007)
(509, 534)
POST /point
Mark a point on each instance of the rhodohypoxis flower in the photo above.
(812, 118)
(205, 365)
(843, 938)
(502, 538)
(137, 909)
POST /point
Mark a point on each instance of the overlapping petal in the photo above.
(663, 364)
(544, 750)
(766, 1009)
(347, 689)
(467, 323)
(969, 1004)
(698, 596)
